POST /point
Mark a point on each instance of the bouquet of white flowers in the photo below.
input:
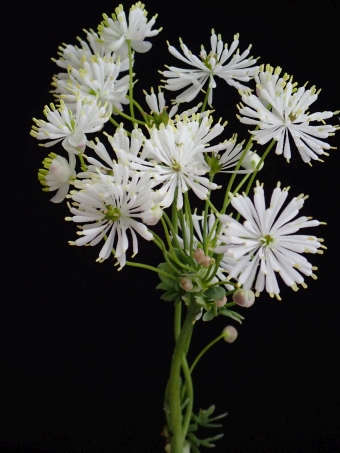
(125, 167)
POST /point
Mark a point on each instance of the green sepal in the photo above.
(214, 163)
(208, 315)
(186, 299)
(167, 286)
(231, 314)
(201, 301)
(166, 268)
(170, 295)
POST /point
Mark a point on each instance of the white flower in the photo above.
(231, 156)
(281, 110)
(109, 207)
(265, 243)
(177, 162)
(56, 175)
(74, 56)
(116, 31)
(70, 128)
(236, 71)
(96, 79)
(123, 146)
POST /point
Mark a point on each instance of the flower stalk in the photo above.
(176, 422)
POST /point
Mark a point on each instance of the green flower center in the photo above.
(206, 60)
(112, 213)
(176, 166)
(267, 240)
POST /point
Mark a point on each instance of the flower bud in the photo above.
(208, 261)
(199, 256)
(244, 297)
(251, 161)
(152, 216)
(230, 334)
(220, 303)
(186, 284)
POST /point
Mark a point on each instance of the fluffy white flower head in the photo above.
(74, 56)
(175, 156)
(68, 127)
(280, 109)
(110, 206)
(222, 61)
(116, 30)
(265, 244)
(97, 80)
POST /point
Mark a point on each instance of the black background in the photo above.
(85, 350)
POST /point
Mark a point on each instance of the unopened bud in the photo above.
(208, 261)
(230, 334)
(244, 297)
(251, 161)
(186, 284)
(152, 216)
(199, 255)
(221, 302)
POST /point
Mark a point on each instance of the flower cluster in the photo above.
(156, 168)
(152, 162)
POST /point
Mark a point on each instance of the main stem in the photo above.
(175, 409)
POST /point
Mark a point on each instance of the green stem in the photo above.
(127, 117)
(205, 102)
(253, 175)
(151, 268)
(114, 122)
(130, 79)
(82, 162)
(189, 388)
(188, 217)
(141, 111)
(175, 414)
(174, 216)
(205, 350)
(183, 229)
(174, 241)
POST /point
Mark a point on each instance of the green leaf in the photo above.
(164, 286)
(231, 314)
(170, 295)
(166, 268)
(208, 315)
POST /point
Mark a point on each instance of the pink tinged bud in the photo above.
(186, 284)
(221, 302)
(207, 261)
(244, 297)
(230, 334)
(199, 256)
